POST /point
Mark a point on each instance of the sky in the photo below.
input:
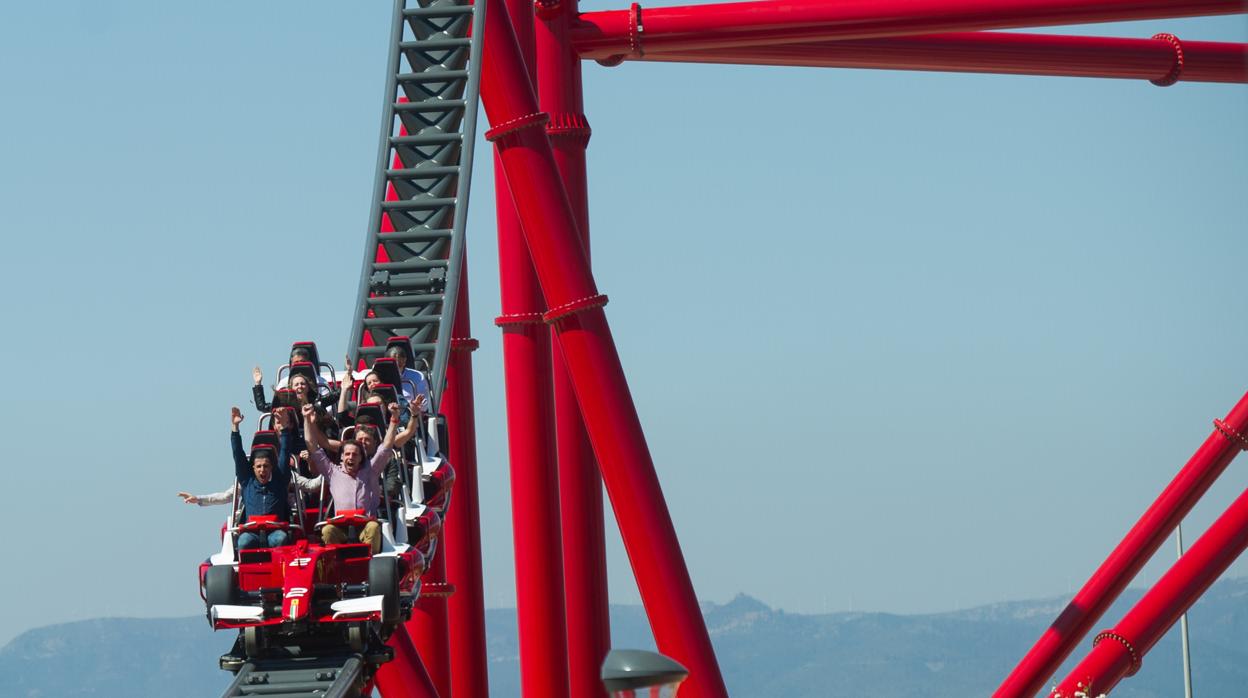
(903, 342)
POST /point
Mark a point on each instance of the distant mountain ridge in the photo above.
(763, 651)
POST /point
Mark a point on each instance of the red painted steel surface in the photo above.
(428, 626)
(580, 485)
(1126, 560)
(1118, 653)
(611, 419)
(461, 534)
(997, 52)
(602, 35)
(404, 676)
(538, 545)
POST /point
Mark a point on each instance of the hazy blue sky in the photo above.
(900, 341)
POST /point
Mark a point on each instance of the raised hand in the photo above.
(257, 376)
(236, 417)
(188, 498)
(309, 412)
(394, 411)
(419, 402)
(347, 378)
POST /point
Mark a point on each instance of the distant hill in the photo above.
(763, 651)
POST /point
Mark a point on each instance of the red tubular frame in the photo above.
(1131, 554)
(617, 33)
(1119, 652)
(404, 676)
(540, 611)
(585, 339)
(998, 52)
(461, 532)
(428, 626)
(580, 486)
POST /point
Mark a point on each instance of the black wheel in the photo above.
(253, 642)
(355, 637)
(220, 585)
(383, 579)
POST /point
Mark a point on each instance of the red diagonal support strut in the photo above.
(1126, 560)
(593, 364)
(405, 675)
(1118, 653)
(615, 33)
(999, 52)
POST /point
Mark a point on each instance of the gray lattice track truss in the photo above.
(326, 677)
(424, 167)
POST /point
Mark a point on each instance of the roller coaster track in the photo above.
(414, 246)
(337, 676)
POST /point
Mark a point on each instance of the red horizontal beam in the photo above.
(999, 52)
(607, 34)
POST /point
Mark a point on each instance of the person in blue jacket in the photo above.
(263, 480)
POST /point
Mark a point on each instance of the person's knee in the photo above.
(332, 535)
(372, 535)
(248, 541)
(279, 538)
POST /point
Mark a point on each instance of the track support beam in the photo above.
(1132, 553)
(575, 310)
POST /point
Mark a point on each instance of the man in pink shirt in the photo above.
(355, 483)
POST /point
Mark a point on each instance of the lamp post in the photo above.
(624, 672)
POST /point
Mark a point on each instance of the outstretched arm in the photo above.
(345, 391)
(257, 391)
(285, 427)
(387, 443)
(242, 468)
(311, 431)
(413, 426)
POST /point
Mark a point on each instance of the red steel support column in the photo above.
(404, 676)
(540, 612)
(585, 338)
(460, 547)
(1126, 560)
(1118, 653)
(1162, 59)
(428, 627)
(580, 485)
(634, 32)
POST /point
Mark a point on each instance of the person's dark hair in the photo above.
(266, 453)
(356, 444)
(364, 420)
(300, 354)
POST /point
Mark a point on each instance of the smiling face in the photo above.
(352, 457)
(372, 380)
(366, 438)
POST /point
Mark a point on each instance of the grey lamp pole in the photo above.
(1187, 654)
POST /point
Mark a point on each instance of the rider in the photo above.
(415, 387)
(354, 483)
(264, 480)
